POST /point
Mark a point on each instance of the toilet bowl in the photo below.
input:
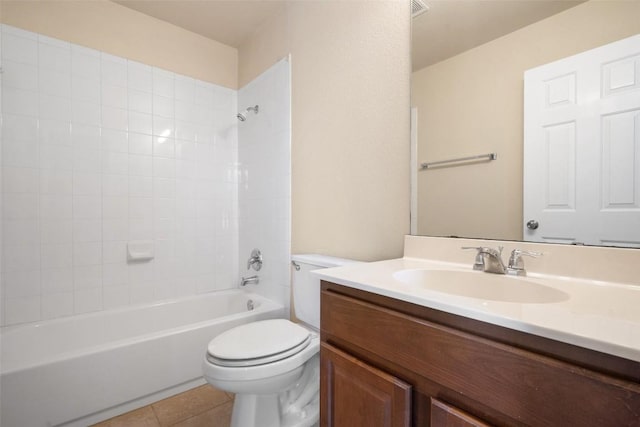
(273, 366)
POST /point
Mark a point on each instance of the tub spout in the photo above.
(254, 280)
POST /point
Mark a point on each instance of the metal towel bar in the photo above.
(489, 156)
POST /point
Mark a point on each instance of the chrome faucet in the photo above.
(253, 280)
(255, 260)
(489, 260)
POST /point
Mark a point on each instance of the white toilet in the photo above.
(273, 366)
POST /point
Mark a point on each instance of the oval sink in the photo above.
(476, 284)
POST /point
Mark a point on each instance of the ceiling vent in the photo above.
(418, 7)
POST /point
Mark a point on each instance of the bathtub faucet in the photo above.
(254, 280)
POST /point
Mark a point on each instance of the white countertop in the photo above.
(598, 315)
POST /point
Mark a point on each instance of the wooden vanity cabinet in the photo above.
(386, 362)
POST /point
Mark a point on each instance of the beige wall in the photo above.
(115, 29)
(472, 104)
(350, 122)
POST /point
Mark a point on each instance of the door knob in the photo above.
(532, 224)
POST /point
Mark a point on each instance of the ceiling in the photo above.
(451, 27)
(448, 28)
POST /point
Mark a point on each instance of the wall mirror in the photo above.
(469, 61)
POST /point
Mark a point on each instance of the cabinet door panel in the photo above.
(445, 415)
(354, 394)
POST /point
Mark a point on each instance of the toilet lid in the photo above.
(258, 342)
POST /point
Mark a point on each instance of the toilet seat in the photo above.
(258, 343)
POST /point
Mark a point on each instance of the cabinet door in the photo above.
(354, 394)
(445, 415)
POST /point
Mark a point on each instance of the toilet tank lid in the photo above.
(321, 260)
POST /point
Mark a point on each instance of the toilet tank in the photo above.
(306, 288)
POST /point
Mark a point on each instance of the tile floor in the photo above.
(198, 407)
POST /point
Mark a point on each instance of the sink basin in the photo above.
(476, 284)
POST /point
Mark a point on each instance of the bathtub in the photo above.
(83, 369)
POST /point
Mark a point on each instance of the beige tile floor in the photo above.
(198, 407)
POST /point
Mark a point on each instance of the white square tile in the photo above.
(141, 207)
(163, 147)
(54, 57)
(87, 300)
(19, 76)
(85, 88)
(85, 62)
(164, 168)
(113, 70)
(185, 111)
(87, 230)
(163, 106)
(21, 284)
(140, 122)
(87, 277)
(56, 207)
(140, 272)
(19, 180)
(163, 127)
(87, 253)
(186, 150)
(204, 95)
(140, 101)
(185, 88)
(87, 207)
(86, 113)
(115, 230)
(86, 160)
(19, 49)
(23, 257)
(140, 144)
(21, 310)
(86, 183)
(115, 274)
(115, 297)
(164, 207)
(55, 83)
(115, 163)
(140, 229)
(115, 207)
(18, 32)
(55, 132)
(57, 305)
(51, 41)
(18, 101)
(115, 185)
(56, 231)
(163, 83)
(56, 280)
(114, 96)
(114, 251)
(56, 157)
(19, 206)
(115, 118)
(185, 131)
(56, 256)
(54, 107)
(186, 188)
(185, 208)
(140, 186)
(114, 140)
(19, 128)
(140, 76)
(140, 165)
(164, 187)
(85, 136)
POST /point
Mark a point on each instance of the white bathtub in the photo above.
(83, 369)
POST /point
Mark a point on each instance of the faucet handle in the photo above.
(479, 262)
(516, 264)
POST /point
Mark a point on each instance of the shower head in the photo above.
(243, 115)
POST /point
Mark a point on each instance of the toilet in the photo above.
(273, 366)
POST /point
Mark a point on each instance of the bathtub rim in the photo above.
(265, 304)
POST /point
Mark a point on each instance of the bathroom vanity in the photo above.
(400, 356)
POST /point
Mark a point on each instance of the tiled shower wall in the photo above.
(98, 151)
(264, 191)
